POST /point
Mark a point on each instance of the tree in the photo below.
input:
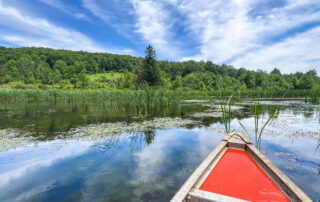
(43, 72)
(71, 68)
(128, 80)
(55, 76)
(260, 78)
(275, 71)
(25, 65)
(61, 66)
(312, 72)
(177, 83)
(250, 80)
(151, 72)
(9, 72)
(82, 80)
(306, 81)
(92, 66)
(193, 81)
(78, 67)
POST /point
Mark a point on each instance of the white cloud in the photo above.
(114, 13)
(24, 30)
(253, 34)
(155, 25)
(298, 53)
(230, 30)
(51, 152)
(65, 8)
(148, 19)
(96, 9)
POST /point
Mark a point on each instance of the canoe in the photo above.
(237, 171)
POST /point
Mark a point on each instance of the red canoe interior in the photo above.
(238, 175)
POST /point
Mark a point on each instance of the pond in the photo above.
(84, 152)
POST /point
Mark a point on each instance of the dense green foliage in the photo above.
(150, 73)
(41, 68)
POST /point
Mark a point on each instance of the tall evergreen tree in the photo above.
(151, 72)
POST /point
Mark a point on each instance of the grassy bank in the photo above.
(105, 96)
(139, 102)
(150, 95)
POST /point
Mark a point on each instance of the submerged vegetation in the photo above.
(13, 138)
(139, 88)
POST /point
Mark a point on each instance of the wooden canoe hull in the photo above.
(192, 190)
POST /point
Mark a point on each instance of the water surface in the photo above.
(141, 165)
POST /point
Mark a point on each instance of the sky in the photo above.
(254, 34)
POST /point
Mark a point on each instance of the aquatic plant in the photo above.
(226, 116)
(257, 127)
(143, 97)
(315, 96)
(14, 138)
(268, 93)
(225, 108)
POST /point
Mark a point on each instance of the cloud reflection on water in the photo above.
(17, 163)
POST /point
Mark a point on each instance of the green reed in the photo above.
(226, 115)
(261, 93)
(225, 108)
(145, 101)
(16, 95)
(315, 96)
(257, 125)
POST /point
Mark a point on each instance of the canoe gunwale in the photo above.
(181, 195)
(210, 168)
(291, 190)
(204, 196)
(190, 190)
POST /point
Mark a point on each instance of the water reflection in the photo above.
(107, 170)
(149, 136)
(17, 163)
(152, 165)
(46, 119)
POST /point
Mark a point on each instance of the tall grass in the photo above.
(315, 96)
(145, 101)
(259, 126)
(16, 95)
(225, 108)
(226, 115)
(141, 103)
(261, 93)
(152, 96)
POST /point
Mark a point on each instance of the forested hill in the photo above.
(48, 68)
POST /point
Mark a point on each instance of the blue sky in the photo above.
(255, 34)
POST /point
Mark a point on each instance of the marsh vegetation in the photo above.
(112, 127)
(142, 157)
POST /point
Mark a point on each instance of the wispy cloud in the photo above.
(104, 10)
(28, 162)
(249, 33)
(65, 8)
(234, 31)
(114, 13)
(155, 24)
(142, 21)
(297, 53)
(222, 27)
(23, 30)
